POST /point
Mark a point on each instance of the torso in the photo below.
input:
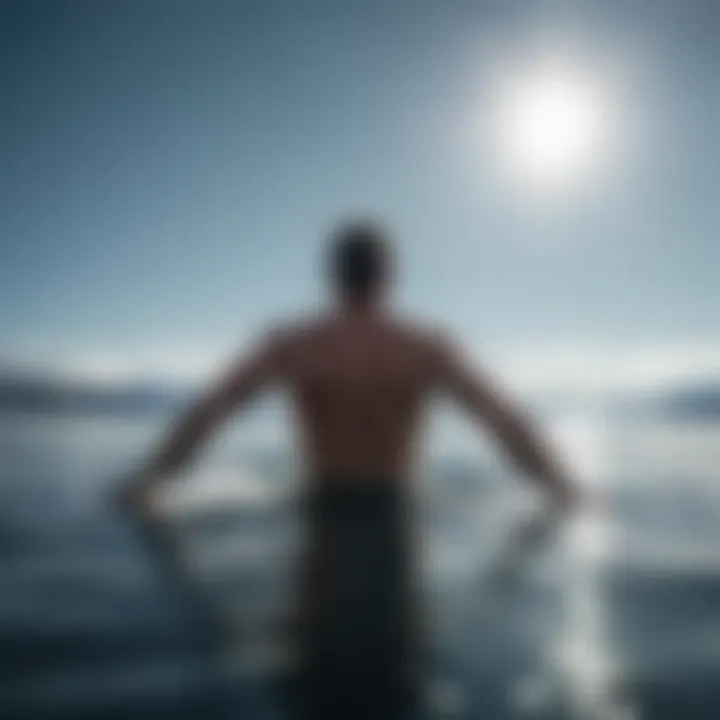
(359, 384)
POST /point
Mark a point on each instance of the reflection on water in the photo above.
(588, 663)
(610, 618)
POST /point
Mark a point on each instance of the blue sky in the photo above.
(169, 170)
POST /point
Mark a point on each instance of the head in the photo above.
(360, 261)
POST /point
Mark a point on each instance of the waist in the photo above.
(322, 476)
(345, 464)
(346, 486)
(340, 497)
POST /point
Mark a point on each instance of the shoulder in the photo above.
(432, 342)
(288, 335)
(421, 332)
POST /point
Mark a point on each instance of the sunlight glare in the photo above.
(553, 124)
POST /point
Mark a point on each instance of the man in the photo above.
(360, 378)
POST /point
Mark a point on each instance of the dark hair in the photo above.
(359, 258)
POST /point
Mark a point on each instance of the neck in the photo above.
(365, 307)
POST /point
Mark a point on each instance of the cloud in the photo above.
(100, 368)
(594, 371)
(581, 371)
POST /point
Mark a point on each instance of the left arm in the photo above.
(263, 366)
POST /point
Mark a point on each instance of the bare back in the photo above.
(359, 384)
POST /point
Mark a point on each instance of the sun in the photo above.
(552, 126)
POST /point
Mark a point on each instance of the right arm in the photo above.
(514, 430)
